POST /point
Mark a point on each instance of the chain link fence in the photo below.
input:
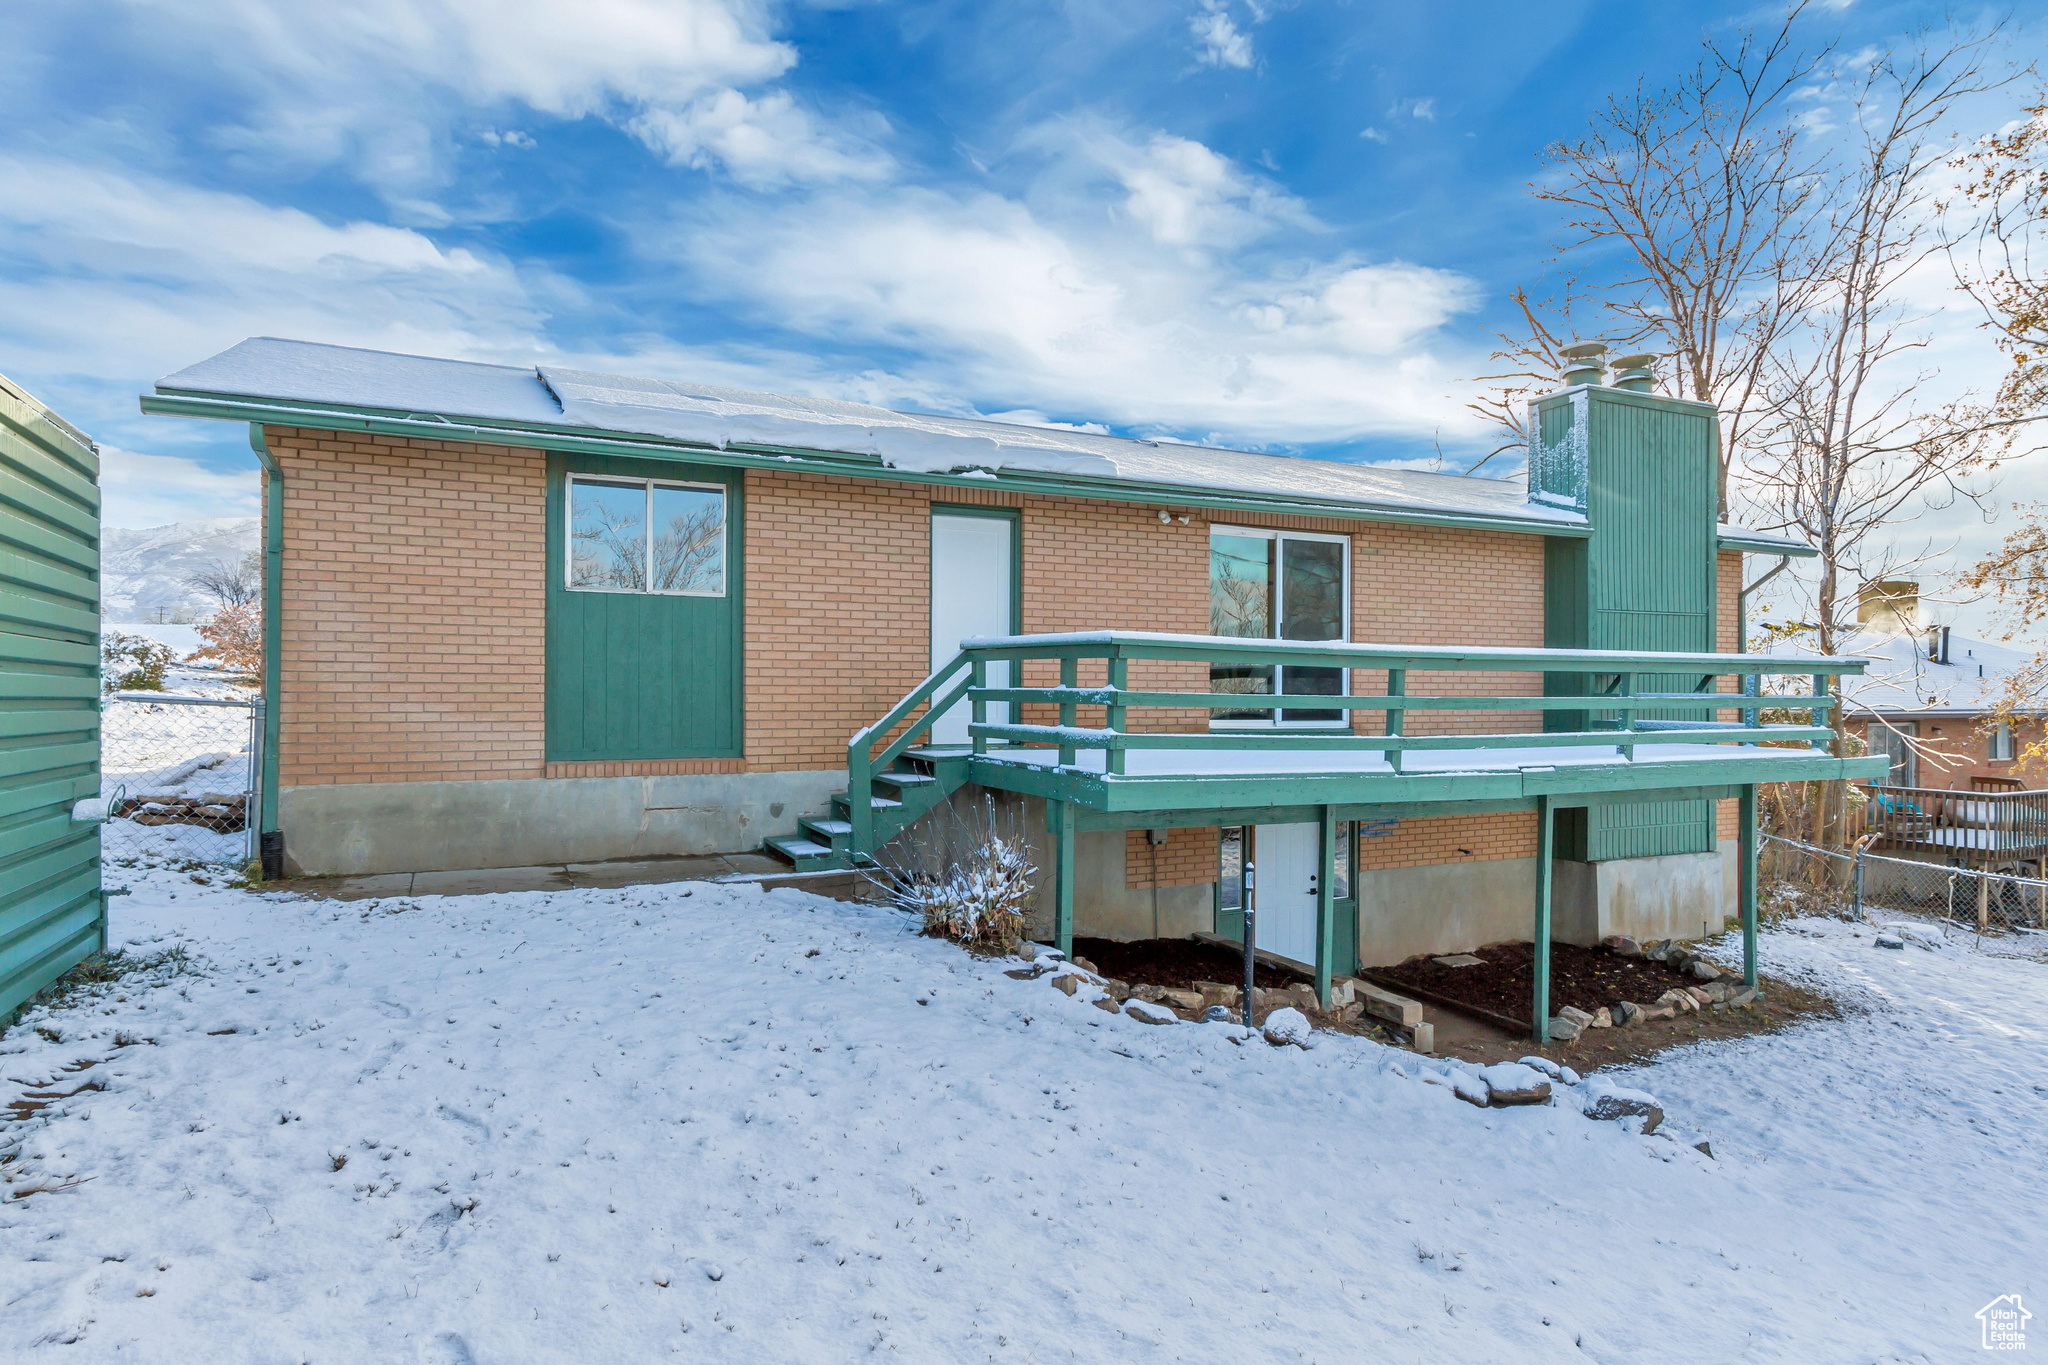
(1856, 882)
(179, 775)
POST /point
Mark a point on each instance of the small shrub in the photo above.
(132, 663)
(234, 640)
(967, 874)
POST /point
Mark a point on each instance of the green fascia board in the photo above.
(581, 440)
(1417, 794)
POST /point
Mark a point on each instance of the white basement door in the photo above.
(973, 564)
(1287, 857)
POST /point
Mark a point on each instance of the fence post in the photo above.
(252, 798)
(1983, 900)
(1857, 875)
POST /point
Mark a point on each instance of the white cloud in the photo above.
(155, 490)
(1038, 304)
(1422, 110)
(1374, 135)
(381, 86)
(761, 143)
(1223, 43)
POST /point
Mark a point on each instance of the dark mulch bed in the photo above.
(1176, 963)
(1586, 977)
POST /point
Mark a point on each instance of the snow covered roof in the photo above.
(1904, 680)
(562, 398)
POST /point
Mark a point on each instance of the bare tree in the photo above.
(1711, 198)
(1847, 445)
(231, 585)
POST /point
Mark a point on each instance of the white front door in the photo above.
(973, 589)
(1286, 858)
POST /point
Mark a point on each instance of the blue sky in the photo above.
(1283, 226)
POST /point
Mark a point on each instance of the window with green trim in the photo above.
(610, 549)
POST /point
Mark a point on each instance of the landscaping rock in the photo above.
(1107, 1003)
(1699, 996)
(1384, 1004)
(1511, 1083)
(1147, 1013)
(1459, 960)
(1660, 1011)
(1031, 973)
(1745, 996)
(1422, 1037)
(1067, 983)
(1471, 1089)
(1544, 1065)
(1655, 951)
(1217, 993)
(1563, 1030)
(1576, 1015)
(1120, 989)
(1717, 991)
(1343, 991)
(1604, 1102)
(1887, 941)
(1218, 1014)
(1627, 1013)
(1148, 992)
(1602, 1018)
(1350, 1012)
(1288, 1026)
(1182, 1000)
(1705, 970)
(1085, 965)
(1303, 997)
(1622, 946)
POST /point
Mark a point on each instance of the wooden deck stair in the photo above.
(921, 780)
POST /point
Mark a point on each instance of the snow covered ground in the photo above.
(733, 1125)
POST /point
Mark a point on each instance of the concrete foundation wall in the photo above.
(358, 828)
(1443, 908)
(1680, 895)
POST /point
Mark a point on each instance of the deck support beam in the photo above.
(1326, 904)
(1539, 989)
(1061, 818)
(1745, 879)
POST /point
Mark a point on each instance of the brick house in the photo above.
(478, 656)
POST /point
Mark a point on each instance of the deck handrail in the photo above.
(1960, 824)
(1610, 690)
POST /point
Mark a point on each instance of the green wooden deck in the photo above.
(1103, 771)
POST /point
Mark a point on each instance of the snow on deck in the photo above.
(743, 1126)
(1276, 761)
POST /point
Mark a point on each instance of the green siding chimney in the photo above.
(1643, 468)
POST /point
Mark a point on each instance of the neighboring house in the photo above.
(478, 657)
(1929, 700)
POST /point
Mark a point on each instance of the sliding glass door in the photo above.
(1278, 585)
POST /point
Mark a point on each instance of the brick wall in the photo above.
(414, 616)
(1955, 749)
(1187, 858)
(415, 607)
(1451, 839)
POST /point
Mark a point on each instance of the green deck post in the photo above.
(1540, 987)
(980, 711)
(1745, 879)
(1069, 676)
(1061, 817)
(1625, 687)
(1119, 678)
(1326, 905)
(1397, 719)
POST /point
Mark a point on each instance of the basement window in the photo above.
(611, 551)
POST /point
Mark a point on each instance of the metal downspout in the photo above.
(273, 618)
(1742, 604)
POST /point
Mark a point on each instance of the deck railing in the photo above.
(1974, 828)
(1614, 694)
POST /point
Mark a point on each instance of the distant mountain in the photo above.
(143, 573)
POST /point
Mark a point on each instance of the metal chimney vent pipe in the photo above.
(1633, 372)
(1583, 363)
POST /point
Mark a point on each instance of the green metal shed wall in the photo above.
(51, 911)
(1644, 580)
